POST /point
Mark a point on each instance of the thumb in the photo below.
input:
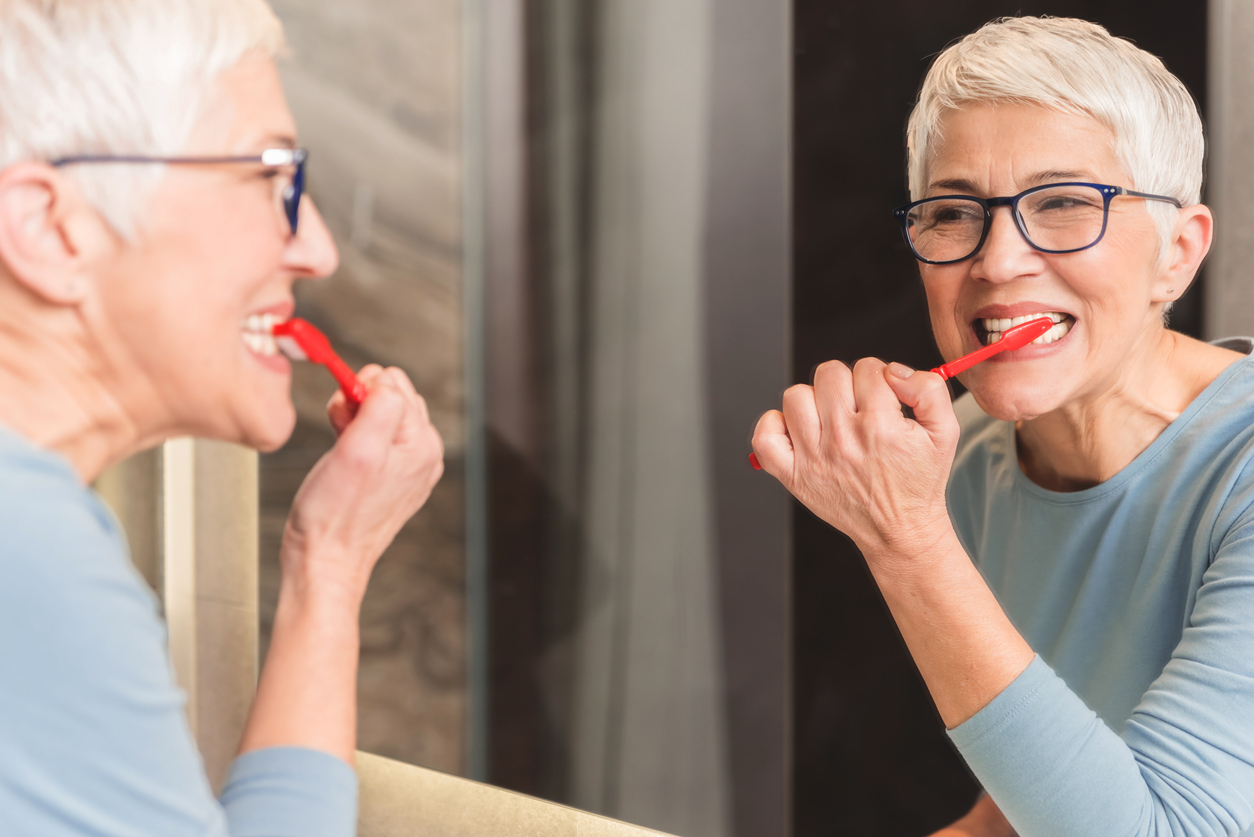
(926, 394)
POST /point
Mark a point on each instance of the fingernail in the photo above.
(900, 370)
(753, 460)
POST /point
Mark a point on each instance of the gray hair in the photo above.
(1075, 67)
(117, 77)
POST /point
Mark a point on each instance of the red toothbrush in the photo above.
(1015, 337)
(300, 340)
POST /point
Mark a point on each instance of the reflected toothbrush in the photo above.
(300, 340)
(1015, 337)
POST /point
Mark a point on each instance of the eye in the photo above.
(1062, 202)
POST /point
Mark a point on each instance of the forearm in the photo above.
(984, 819)
(307, 693)
(962, 642)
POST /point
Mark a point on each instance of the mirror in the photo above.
(539, 211)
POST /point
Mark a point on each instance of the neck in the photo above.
(1088, 441)
(57, 390)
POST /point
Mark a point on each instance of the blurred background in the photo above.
(603, 236)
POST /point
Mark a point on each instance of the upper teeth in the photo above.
(257, 333)
(997, 326)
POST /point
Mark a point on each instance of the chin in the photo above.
(274, 434)
(265, 427)
(1012, 403)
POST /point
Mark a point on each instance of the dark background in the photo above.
(870, 754)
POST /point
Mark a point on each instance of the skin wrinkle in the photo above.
(121, 389)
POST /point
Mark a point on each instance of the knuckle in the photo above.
(831, 369)
(869, 364)
(797, 391)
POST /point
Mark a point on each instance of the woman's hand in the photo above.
(844, 449)
(357, 497)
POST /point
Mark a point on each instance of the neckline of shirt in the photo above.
(1145, 457)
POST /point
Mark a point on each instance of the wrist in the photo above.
(326, 596)
(321, 576)
(913, 550)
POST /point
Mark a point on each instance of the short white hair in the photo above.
(117, 77)
(1075, 67)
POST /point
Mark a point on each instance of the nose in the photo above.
(311, 253)
(1006, 254)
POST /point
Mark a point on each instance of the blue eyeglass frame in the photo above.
(1109, 193)
(270, 157)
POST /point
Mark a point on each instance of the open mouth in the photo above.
(991, 329)
(257, 333)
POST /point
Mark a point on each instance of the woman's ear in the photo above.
(1190, 242)
(49, 235)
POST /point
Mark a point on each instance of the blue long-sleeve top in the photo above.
(1137, 715)
(93, 735)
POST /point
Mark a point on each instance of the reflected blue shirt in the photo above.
(1137, 715)
(93, 735)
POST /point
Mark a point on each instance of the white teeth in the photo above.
(257, 332)
(1056, 333)
(996, 326)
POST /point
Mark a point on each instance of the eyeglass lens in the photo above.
(1060, 218)
(291, 196)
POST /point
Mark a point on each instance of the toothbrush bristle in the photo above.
(290, 347)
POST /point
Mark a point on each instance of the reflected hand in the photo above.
(845, 450)
(384, 464)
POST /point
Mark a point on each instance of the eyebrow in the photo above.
(279, 141)
(1048, 176)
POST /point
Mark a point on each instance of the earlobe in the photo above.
(40, 247)
(1190, 243)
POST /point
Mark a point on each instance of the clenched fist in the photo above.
(844, 448)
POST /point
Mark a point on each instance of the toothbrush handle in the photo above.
(354, 390)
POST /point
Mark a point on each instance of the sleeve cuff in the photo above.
(1003, 709)
(280, 791)
(1050, 763)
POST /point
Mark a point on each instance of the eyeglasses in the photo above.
(270, 157)
(1055, 218)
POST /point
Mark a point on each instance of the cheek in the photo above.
(942, 288)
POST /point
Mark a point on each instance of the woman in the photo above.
(126, 292)
(1067, 549)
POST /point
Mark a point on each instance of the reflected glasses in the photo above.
(270, 157)
(1055, 218)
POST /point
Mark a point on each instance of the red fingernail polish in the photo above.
(753, 460)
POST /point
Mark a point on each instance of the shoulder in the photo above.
(91, 719)
(66, 582)
(1208, 462)
(67, 586)
(52, 528)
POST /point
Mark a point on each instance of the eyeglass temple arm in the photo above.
(1122, 191)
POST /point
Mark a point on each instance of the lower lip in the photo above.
(275, 363)
(1031, 351)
